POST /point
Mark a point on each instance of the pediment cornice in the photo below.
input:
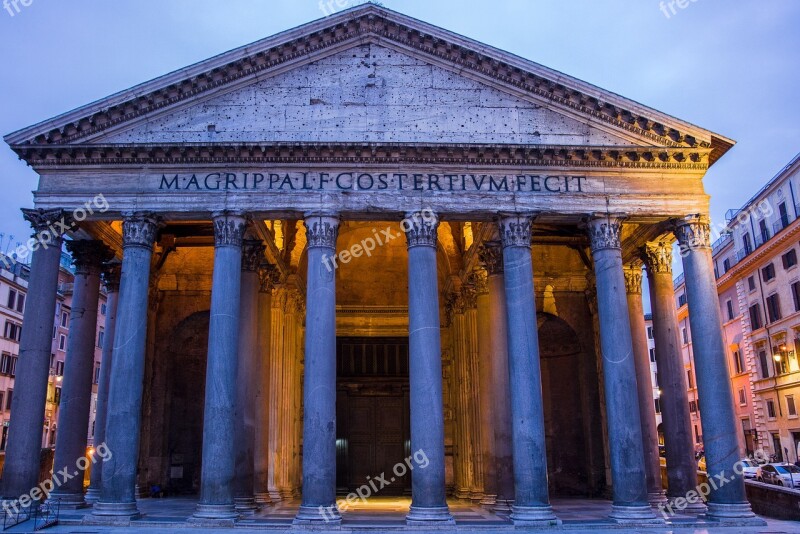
(370, 23)
(368, 153)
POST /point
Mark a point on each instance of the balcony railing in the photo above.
(780, 225)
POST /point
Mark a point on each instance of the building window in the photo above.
(100, 338)
(681, 299)
(655, 380)
(796, 296)
(726, 265)
(96, 374)
(771, 409)
(789, 259)
(12, 298)
(774, 308)
(649, 332)
(755, 317)
(738, 364)
(103, 309)
(742, 397)
(693, 406)
(62, 342)
(748, 245)
(57, 397)
(697, 437)
(2, 394)
(9, 396)
(59, 368)
(5, 364)
(768, 273)
(64, 319)
(762, 226)
(729, 306)
(790, 406)
(685, 335)
(657, 403)
(13, 331)
(763, 361)
(751, 283)
(690, 378)
(653, 355)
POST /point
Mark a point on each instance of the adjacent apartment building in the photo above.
(758, 283)
(13, 294)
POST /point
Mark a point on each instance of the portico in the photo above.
(514, 197)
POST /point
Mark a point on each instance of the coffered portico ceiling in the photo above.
(368, 91)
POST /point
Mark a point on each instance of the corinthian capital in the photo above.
(112, 271)
(479, 279)
(491, 256)
(229, 228)
(421, 228)
(139, 230)
(515, 230)
(88, 256)
(658, 258)
(693, 232)
(604, 232)
(268, 276)
(252, 254)
(322, 231)
(633, 279)
(55, 223)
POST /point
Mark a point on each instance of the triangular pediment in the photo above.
(369, 75)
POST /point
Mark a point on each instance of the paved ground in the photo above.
(386, 515)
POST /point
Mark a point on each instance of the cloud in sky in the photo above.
(731, 67)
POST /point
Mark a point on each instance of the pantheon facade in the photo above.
(365, 248)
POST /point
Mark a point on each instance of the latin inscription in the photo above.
(360, 181)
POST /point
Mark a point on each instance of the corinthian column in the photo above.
(319, 415)
(218, 470)
(23, 450)
(681, 465)
(726, 501)
(76, 390)
(428, 503)
(247, 377)
(619, 373)
(110, 275)
(644, 387)
(268, 277)
(491, 255)
(532, 501)
(123, 421)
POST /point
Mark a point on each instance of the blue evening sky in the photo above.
(730, 66)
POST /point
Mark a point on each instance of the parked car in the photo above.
(749, 468)
(785, 475)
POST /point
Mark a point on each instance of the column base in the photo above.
(214, 515)
(245, 505)
(462, 493)
(263, 498)
(533, 516)
(697, 508)
(502, 507)
(275, 496)
(634, 514)
(476, 496)
(92, 495)
(657, 498)
(735, 514)
(68, 500)
(489, 500)
(113, 513)
(317, 516)
(424, 516)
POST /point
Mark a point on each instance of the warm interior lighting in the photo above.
(777, 356)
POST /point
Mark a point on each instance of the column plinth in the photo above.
(76, 387)
(217, 486)
(630, 501)
(428, 502)
(123, 421)
(319, 386)
(728, 502)
(531, 498)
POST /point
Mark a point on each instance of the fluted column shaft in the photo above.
(268, 275)
(720, 426)
(123, 420)
(23, 450)
(219, 420)
(473, 394)
(319, 417)
(111, 274)
(76, 387)
(531, 498)
(428, 504)
(247, 377)
(678, 439)
(276, 396)
(619, 373)
(487, 396)
(644, 387)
